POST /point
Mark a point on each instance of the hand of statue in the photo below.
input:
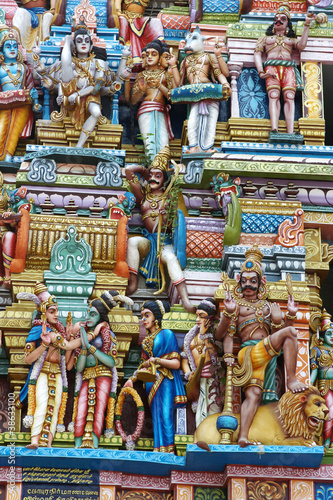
(310, 16)
(172, 60)
(229, 302)
(226, 90)
(45, 337)
(229, 361)
(126, 51)
(72, 98)
(126, 72)
(292, 306)
(7, 215)
(60, 99)
(276, 314)
(142, 85)
(84, 341)
(218, 48)
(129, 383)
(264, 75)
(36, 49)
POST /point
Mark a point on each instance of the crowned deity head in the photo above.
(282, 22)
(251, 282)
(326, 329)
(159, 172)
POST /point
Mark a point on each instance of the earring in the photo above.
(156, 323)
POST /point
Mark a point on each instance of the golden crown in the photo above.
(253, 258)
(326, 321)
(284, 8)
(161, 160)
(9, 35)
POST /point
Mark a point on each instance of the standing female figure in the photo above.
(167, 391)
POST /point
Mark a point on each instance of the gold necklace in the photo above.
(15, 79)
(148, 342)
(153, 199)
(258, 308)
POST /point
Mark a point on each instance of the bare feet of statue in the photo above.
(32, 446)
(211, 150)
(132, 284)
(243, 442)
(192, 150)
(295, 385)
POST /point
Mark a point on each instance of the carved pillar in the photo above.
(235, 71)
(237, 488)
(184, 492)
(301, 490)
(312, 97)
(107, 492)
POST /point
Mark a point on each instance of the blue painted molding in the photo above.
(162, 464)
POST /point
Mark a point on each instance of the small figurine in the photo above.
(96, 380)
(161, 374)
(263, 335)
(199, 363)
(15, 212)
(124, 206)
(321, 364)
(80, 80)
(134, 28)
(279, 70)
(201, 92)
(46, 389)
(32, 21)
(16, 96)
(151, 87)
(155, 246)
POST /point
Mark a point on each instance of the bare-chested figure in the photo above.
(263, 334)
(201, 67)
(279, 70)
(152, 245)
(151, 87)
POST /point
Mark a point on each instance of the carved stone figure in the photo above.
(34, 20)
(263, 334)
(279, 70)
(81, 79)
(199, 364)
(295, 420)
(155, 246)
(134, 28)
(321, 364)
(46, 389)
(203, 96)
(14, 228)
(160, 371)
(16, 96)
(151, 87)
(96, 379)
(227, 192)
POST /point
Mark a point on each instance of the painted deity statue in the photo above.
(154, 246)
(161, 359)
(46, 389)
(279, 70)
(199, 359)
(151, 87)
(34, 20)
(321, 364)
(134, 28)
(96, 377)
(263, 334)
(80, 80)
(197, 68)
(16, 96)
(15, 212)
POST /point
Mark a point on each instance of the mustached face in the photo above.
(156, 178)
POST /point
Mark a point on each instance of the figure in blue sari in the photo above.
(161, 362)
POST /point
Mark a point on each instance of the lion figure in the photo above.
(295, 420)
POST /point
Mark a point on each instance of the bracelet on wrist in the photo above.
(290, 316)
(274, 325)
(228, 355)
(227, 314)
(45, 345)
(219, 57)
(174, 66)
